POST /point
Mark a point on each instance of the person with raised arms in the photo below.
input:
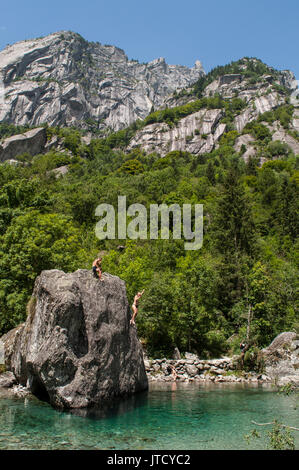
(135, 306)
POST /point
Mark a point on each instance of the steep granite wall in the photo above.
(62, 79)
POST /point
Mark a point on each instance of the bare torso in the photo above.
(97, 263)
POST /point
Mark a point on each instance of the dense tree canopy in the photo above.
(195, 300)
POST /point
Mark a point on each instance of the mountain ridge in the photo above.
(62, 79)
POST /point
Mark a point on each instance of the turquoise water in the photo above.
(170, 416)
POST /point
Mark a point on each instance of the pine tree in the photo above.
(211, 173)
(234, 238)
(286, 213)
(233, 227)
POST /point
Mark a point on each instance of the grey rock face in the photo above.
(199, 133)
(196, 133)
(282, 359)
(10, 341)
(260, 97)
(191, 370)
(256, 106)
(230, 78)
(231, 85)
(280, 134)
(61, 171)
(7, 380)
(32, 142)
(64, 80)
(245, 140)
(280, 341)
(77, 347)
(176, 353)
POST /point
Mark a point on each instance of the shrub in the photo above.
(278, 148)
(257, 130)
(131, 167)
(283, 114)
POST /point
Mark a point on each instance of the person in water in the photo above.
(135, 306)
(174, 373)
(97, 268)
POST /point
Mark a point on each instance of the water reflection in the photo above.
(115, 407)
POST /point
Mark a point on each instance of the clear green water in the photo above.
(169, 416)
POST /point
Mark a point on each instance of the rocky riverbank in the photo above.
(280, 365)
(195, 369)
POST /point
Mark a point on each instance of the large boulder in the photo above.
(9, 342)
(281, 341)
(7, 380)
(77, 348)
(32, 142)
(282, 359)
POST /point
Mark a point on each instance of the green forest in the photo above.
(197, 301)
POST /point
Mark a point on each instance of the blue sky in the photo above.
(214, 32)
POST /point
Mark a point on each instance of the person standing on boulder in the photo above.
(135, 306)
(97, 268)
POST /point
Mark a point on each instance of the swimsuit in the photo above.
(94, 270)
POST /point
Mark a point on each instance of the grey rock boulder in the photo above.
(7, 380)
(282, 340)
(60, 171)
(191, 356)
(191, 370)
(32, 142)
(282, 359)
(10, 341)
(77, 348)
(176, 353)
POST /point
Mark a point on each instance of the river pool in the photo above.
(169, 416)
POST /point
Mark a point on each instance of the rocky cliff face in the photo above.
(197, 133)
(77, 347)
(200, 132)
(64, 80)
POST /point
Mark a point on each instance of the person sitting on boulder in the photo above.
(97, 268)
(135, 307)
